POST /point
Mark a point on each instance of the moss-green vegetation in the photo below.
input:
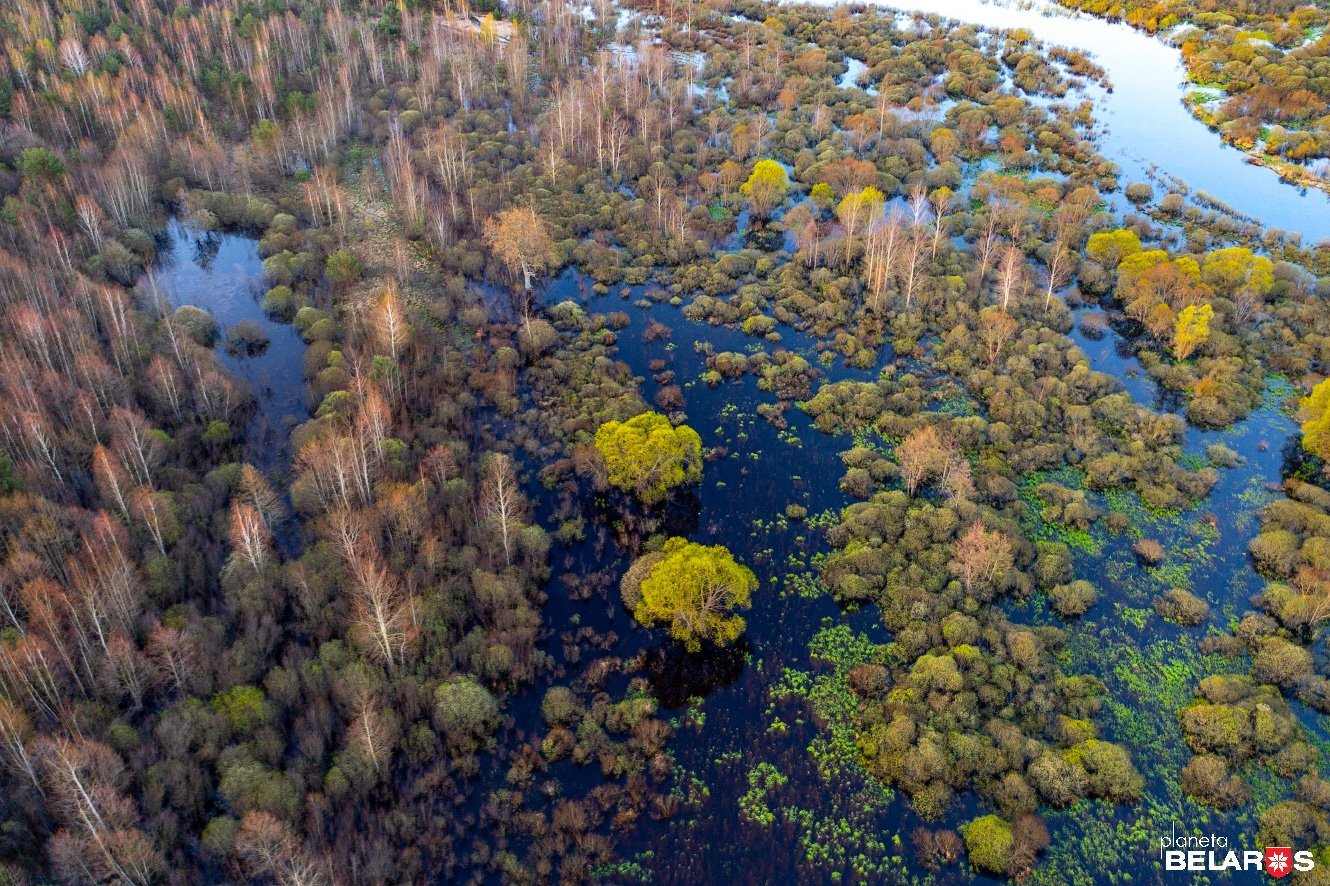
(366, 623)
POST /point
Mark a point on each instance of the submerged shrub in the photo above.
(1150, 552)
(1073, 599)
(465, 712)
(1181, 607)
(989, 844)
(560, 706)
(279, 303)
(246, 338)
(198, 324)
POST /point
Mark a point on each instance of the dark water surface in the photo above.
(763, 739)
(827, 817)
(223, 275)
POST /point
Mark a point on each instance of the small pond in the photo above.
(223, 275)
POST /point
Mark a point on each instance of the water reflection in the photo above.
(1145, 120)
(1110, 353)
(677, 676)
(223, 275)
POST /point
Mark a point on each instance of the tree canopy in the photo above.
(858, 208)
(648, 456)
(766, 187)
(519, 239)
(989, 842)
(1237, 268)
(1111, 247)
(693, 590)
(1192, 330)
(1316, 421)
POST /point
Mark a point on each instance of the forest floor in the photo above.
(383, 244)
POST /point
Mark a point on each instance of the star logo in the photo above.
(1278, 861)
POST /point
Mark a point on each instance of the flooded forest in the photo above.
(662, 441)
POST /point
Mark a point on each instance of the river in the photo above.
(1147, 125)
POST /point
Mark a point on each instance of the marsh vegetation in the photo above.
(558, 443)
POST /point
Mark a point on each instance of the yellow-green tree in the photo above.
(766, 187)
(1240, 275)
(990, 843)
(1135, 265)
(648, 456)
(857, 210)
(1110, 247)
(823, 195)
(1191, 330)
(1316, 421)
(1229, 270)
(691, 589)
(944, 143)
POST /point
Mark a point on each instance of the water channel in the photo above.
(1147, 124)
(223, 275)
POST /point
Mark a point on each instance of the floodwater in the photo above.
(739, 728)
(721, 702)
(1147, 124)
(734, 714)
(830, 822)
(853, 78)
(223, 275)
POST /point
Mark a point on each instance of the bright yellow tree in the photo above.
(1232, 269)
(693, 590)
(1240, 275)
(1192, 330)
(1111, 247)
(1316, 421)
(648, 456)
(766, 187)
(1136, 265)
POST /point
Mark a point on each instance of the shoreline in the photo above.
(1288, 171)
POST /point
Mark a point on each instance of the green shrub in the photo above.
(989, 844)
(279, 304)
(465, 712)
